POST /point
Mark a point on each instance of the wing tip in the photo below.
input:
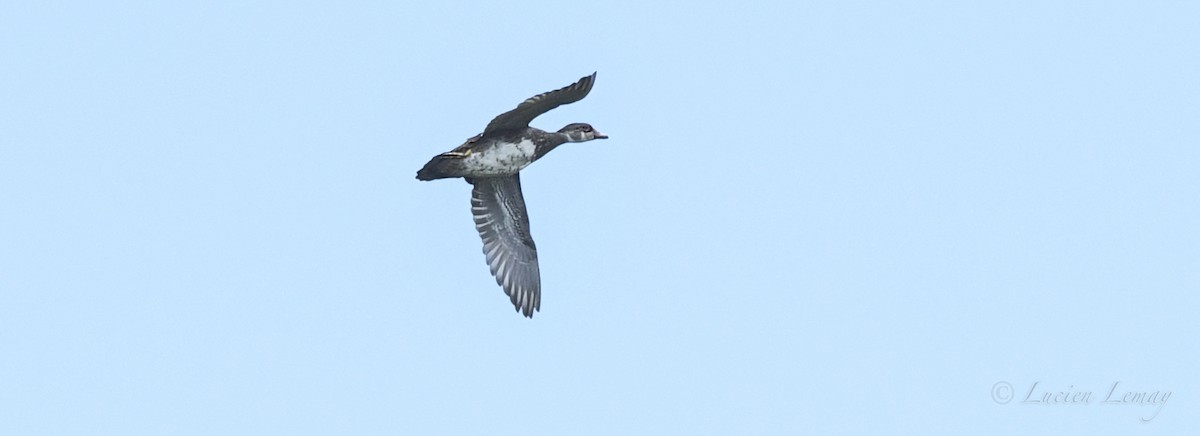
(527, 310)
(586, 83)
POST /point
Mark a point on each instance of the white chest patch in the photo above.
(501, 159)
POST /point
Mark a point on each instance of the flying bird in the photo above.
(491, 162)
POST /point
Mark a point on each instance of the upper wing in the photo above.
(499, 211)
(525, 112)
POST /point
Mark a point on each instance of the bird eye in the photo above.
(587, 128)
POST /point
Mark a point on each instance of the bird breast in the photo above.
(502, 158)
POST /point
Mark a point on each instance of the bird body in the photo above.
(501, 159)
(491, 162)
(492, 157)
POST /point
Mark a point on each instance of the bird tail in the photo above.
(440, 167)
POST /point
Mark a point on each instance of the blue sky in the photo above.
(825, 218)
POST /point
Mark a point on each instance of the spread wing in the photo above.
(525, 112)
(499, 211)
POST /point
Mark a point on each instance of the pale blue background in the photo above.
(825, 218)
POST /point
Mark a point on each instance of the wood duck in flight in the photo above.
(491, 162)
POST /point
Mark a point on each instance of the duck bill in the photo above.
(599, 135)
